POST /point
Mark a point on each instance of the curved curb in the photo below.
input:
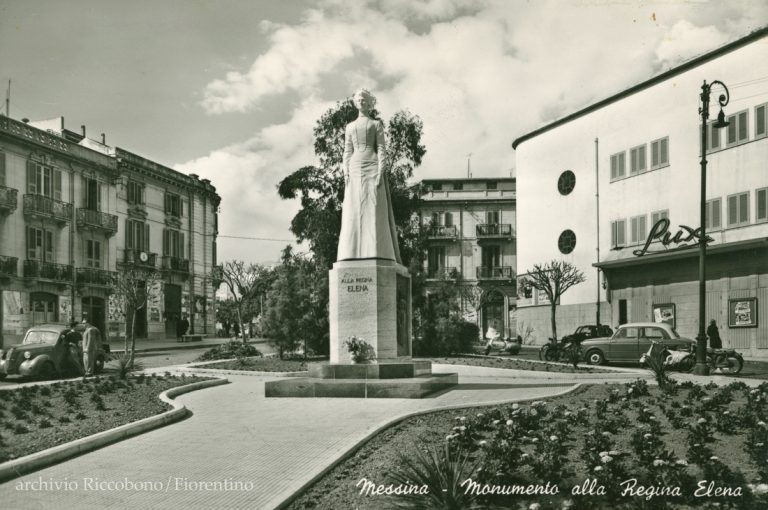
(535, 376)
(38, 460)
(353, 449)
(597, 368)
(226, 371)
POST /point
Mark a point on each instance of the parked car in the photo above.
(553, 351)
(44, 353)
(630, 341)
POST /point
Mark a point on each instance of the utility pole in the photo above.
(8, 100)
(469, 172)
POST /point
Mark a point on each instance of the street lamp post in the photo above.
(701, 340)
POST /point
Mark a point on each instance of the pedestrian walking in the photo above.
(181, 327)
(714, 335)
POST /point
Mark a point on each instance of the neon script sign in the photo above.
(681, 239)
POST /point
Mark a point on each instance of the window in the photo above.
(135, 193)
(566, 243)
(761, 204)
(91, 194)
(490, 185)
(713, 214)
(761, 121)
(437, 186)
(39, 244)
(492, 217)
(566, 182)
(657, 215)
(659, 153)
(737, 128)
(637, 230)
(2, 168)
(458, 186)
(173, 205)
(637, 160)
(627, 333)
(491, 256)
(173, 243)
(618, 233)
(43, 180)
(448, 219)
(136, 235)
(738, 209)
(435, 259)
(618, 165)
(440, 219)
(92, 253)
(713, 137)
(657, 334)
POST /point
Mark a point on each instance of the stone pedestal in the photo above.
(371, 300)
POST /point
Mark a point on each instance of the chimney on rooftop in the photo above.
(103, 139)
(82, 128)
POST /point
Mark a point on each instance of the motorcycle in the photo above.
(506, 345)
(674, 359)
(558, 351)
(720, 361)
(725, 361)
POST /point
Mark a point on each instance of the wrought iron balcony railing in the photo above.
(42, 206)
(8, 266)
(140, 258)
(8, 199)
(442, 273)
(175, 264)
(47, 271)
(88, 219)
(494, 230)
(495, 273)
(442, 232)
(93, 276)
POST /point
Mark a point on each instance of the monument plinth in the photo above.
(370, 299)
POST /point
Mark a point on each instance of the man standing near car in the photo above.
(73, 339)
(90, 345)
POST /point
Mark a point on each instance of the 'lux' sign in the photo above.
(660, 232)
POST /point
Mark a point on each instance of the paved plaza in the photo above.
(261, 450)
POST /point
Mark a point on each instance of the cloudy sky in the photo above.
(231, 90)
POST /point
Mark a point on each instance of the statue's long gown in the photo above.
(367, 223)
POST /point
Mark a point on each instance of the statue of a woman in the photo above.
(367, 223)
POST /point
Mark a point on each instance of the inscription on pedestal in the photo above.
(355, 283)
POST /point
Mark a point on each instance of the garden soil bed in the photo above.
(516, 364)
(34, 418)
(266, 364)
(601, 432)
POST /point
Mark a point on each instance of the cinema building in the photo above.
(75, 211)
(593, 185)
(470, 225)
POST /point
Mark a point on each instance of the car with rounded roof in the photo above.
(630, 341)
(45, 353)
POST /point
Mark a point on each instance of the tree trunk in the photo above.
(240, 322)
(553, 308)
(133, 339)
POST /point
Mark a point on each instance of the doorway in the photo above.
(623, 312)
(44, 307)
(93, 312)
(493, 313)
(172, 308)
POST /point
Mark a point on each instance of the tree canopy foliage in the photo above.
(553, 278)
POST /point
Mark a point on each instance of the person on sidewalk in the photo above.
(181, 328)
(714, 336)
(90, 347)
(491, 335)
(73, 340)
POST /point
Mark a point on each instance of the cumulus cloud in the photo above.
(478, 73)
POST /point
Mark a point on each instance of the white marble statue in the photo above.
(367, 223)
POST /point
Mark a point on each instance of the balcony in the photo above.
(442, 232)
(496, 273)
(93, 276)
(39, 206)
(97, 220)
(175, 264)
(47, 271)
(442, 273)
(141, 259)
(494, 231)
(8, 200)
(8, 266)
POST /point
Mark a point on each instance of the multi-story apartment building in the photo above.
(73, 211)
(595, 184)
(471, 240)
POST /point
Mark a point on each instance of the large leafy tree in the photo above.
(245, 283)
(553, 278)
(321, 188)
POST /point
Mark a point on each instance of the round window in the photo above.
(566, 182)
(567, 241)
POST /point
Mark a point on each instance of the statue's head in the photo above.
(364, 100)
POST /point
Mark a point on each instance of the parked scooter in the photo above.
(674, 359)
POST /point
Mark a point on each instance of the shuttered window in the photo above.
(761, 204)
(761, 121)
(738, 209)
(637, 160)
(618, 233)
(737, 130)
(43, 180)
(713, 214)
(40, 244)
(637, 230)
(2, 168)
(92, 253)
(173, 243)
(660, 153)
(618, 169)
(173, 204)
(136, 235)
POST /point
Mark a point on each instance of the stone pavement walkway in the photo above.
(259, 450)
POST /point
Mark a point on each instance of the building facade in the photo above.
(74, 211)
(471, 238)
(595, 185)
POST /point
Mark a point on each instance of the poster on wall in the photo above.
(154, 302)
(115, 309)
(12, 312)
(65, 308)
(664, 313)
(742, 313)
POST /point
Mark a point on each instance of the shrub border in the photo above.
(354, 448)
(44, 458)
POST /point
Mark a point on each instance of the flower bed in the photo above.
(517, 364)
(605, 446)
(34, 418)
(266, 364)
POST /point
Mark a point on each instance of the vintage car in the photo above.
(630, 341)
(588, 331)
(44, 353)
